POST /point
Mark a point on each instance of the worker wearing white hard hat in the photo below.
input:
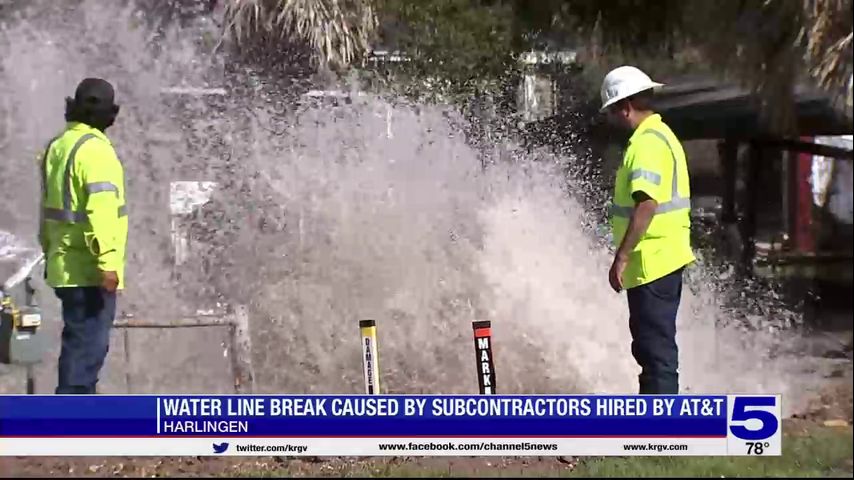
(624, 82)
(650, 221)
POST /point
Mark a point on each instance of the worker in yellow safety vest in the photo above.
(83, 232)
(650, 221)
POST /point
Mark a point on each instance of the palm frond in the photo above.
(337, 31)
(827, 36)
(774, 44)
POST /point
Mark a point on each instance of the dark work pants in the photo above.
(652, 321)
(87, 314)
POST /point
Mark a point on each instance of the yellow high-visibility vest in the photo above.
(84, 223)
(655, 164)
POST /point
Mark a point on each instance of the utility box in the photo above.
(21, 343)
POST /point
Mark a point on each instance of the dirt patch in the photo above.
(130, 467)
(332, 467)
(835, 403)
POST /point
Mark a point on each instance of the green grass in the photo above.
(808, 451)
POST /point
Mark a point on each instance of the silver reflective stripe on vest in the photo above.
(61, 215)
(647, 175)
(676, 202)
(69, 168)
(674, 205)
(102, 187)
(65, 214)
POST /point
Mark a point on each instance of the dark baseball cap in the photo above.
(95, 92)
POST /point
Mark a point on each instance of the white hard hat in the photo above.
(623, 82)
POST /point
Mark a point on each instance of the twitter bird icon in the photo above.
(220, 447)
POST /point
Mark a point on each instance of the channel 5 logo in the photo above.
(754, 418)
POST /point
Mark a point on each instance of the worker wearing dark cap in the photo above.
(83, 232)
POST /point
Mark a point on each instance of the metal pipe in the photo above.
(128, 383)
(194, 91)
(31, 379)
(241, 342)
(238, 322)
(177, 323)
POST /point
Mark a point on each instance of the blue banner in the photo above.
(364, 416)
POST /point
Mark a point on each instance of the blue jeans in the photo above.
(652, 321)
(88, 314)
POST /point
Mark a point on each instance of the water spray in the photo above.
(336, 216)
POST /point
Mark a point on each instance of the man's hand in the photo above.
(638, 223)
(615, 275)
(109, 281)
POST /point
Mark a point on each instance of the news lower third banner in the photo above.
(370, 425)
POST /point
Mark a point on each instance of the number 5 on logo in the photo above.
(754, 425)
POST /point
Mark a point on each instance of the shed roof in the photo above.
(708, 110)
